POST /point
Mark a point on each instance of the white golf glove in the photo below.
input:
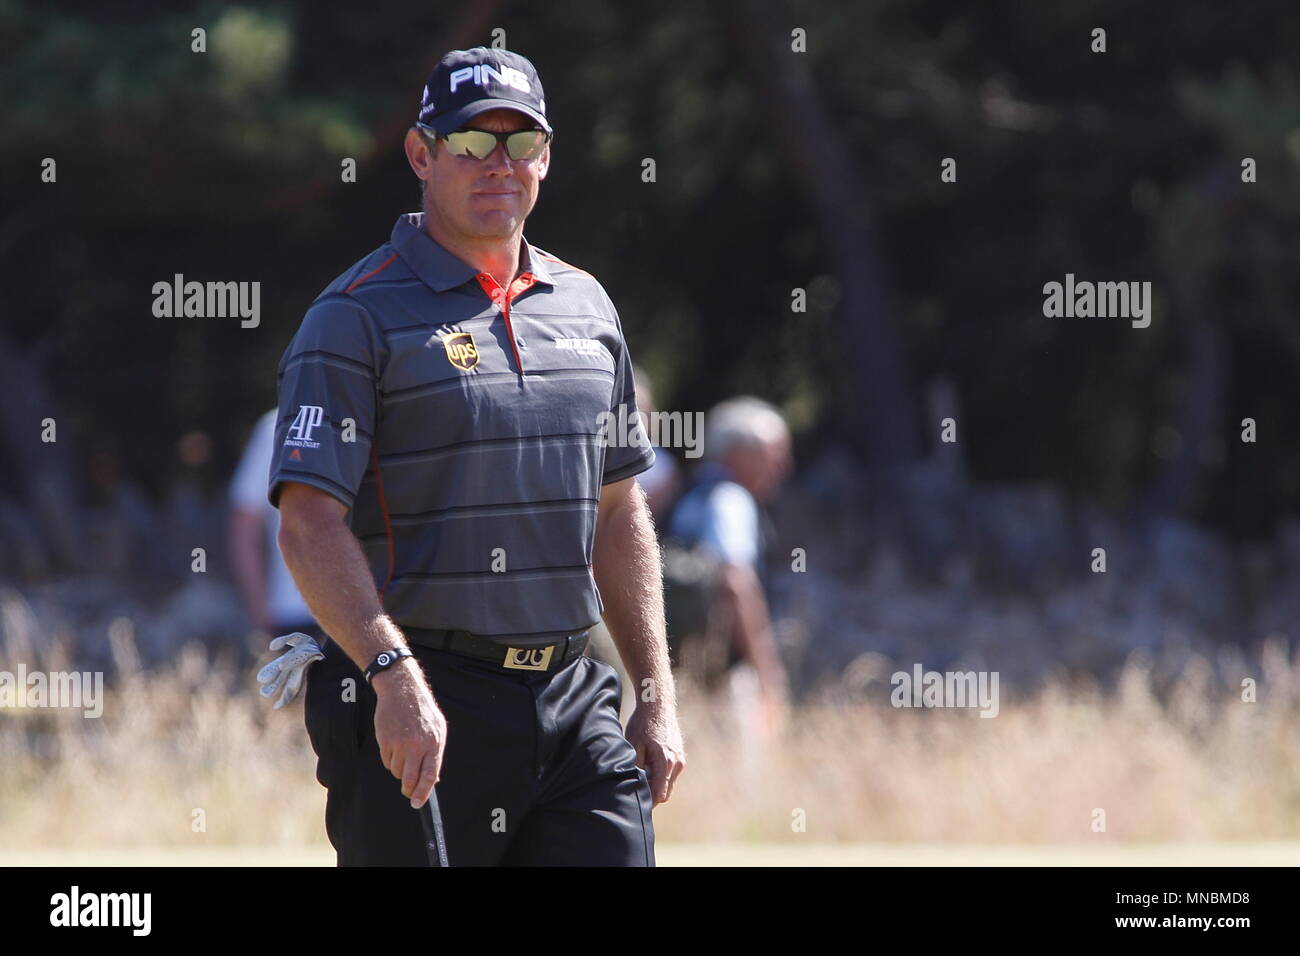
(290, 668)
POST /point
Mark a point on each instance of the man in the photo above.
(449, 510)
(746, 458)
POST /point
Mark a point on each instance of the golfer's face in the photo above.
(488, 198)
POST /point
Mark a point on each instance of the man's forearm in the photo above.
(332, 575)
(627, 571)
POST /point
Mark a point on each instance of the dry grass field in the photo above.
(733, 854)
(1193, 776)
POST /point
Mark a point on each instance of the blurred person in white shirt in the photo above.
(746, 457)
(270, 597)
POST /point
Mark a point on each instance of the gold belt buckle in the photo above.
(528, 658)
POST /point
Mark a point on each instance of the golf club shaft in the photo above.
(435, 842)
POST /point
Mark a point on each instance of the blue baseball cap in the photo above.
(468, 82)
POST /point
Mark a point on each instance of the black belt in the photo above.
(540, 657)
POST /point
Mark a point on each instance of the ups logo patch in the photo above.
(461, 350)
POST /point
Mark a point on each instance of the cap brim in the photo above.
(450, 122)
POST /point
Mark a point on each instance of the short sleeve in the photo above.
(328, 385)
(635, 455)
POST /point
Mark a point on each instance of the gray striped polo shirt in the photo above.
(461, 424)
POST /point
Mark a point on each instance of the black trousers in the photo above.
(536, 770)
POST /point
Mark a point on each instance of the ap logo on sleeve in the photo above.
(307, 421)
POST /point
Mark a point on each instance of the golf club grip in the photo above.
(435, 843)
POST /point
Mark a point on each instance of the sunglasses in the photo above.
(479, 143)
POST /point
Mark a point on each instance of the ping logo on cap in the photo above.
(479, 73)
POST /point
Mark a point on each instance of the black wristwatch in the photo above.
(386, 659)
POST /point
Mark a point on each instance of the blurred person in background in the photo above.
(714, 555)
(271, 599)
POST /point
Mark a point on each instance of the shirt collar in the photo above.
(442, 270)
(535, 264)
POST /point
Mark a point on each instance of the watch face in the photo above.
(383, 660)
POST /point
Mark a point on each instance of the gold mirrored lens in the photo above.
(522, 144)
(471, 142)
(526, 144)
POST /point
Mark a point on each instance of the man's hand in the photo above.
(289, 669)
(653, 731)
(410, 728)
